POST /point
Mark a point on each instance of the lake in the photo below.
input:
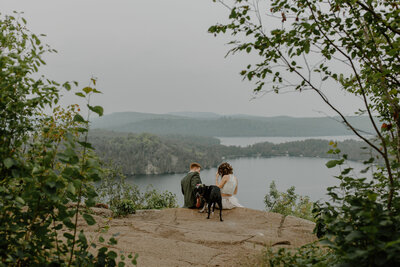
(310, 176)
(246, 141)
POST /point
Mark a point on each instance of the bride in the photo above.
(228, 185)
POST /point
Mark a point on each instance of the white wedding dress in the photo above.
(230, 202)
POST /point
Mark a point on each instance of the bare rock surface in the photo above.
(184, 237)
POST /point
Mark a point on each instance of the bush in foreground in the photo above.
(45, 162)
(288, 203)
(124, 198)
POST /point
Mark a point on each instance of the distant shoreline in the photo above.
(137, 154)
(242, 142)
(244, 157)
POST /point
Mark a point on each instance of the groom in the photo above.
(188, 184)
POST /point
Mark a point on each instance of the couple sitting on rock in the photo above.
(228, 185)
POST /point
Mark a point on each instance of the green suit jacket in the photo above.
(188, 184)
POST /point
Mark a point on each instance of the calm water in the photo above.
(246, 141)
(310, 176)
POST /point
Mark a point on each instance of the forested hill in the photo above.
(210, 124)
(151, 154)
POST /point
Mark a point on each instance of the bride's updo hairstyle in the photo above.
(225, 169)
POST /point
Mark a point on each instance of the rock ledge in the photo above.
(184, 237)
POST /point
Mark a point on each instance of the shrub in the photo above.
(361, 221)
(124, 198)
(45, 161)
(288, 203)
(156, 200)
(113, 188)
(124, 207)
(307, 255)
(356, 223)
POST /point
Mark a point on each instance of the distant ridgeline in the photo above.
(210, 124)
(152, 154)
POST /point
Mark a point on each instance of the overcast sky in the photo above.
(155, 56)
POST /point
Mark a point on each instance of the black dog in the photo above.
(212, 195)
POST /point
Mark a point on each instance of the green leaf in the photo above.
(112, 241)
(36, 170)
(82, 130)
(372, 196)
(58, 226)
(8, 162)
(89, 219)
(87, 90)
(82, 237)
(326, 242)
(385, 223)
(101, 239)
(67, 222)
(71, 188)
(79, 118)
(353, 235)
(331, 163)
(134, 261)
(85, 144)
(112, 255)
(20, 200)
(369, 161)
(80, 94)
(68, 236)
(103, 250)
(97, 109)
(392, 243)
(67, 86)
(307, 47)
(346, 171)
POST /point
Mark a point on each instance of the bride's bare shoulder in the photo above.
(226, 177)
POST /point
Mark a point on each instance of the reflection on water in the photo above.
(310, 176)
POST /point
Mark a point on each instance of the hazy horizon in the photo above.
(228, 114)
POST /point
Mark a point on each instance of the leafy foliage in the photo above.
(307, 255)
(157, 200)
(113, 188)
(45, 162)
(356, 223)
(124, 198)
(124, 207)
(288, 203)
(351, 46)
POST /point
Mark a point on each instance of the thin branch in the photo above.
(325, 99)
(378, 17)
